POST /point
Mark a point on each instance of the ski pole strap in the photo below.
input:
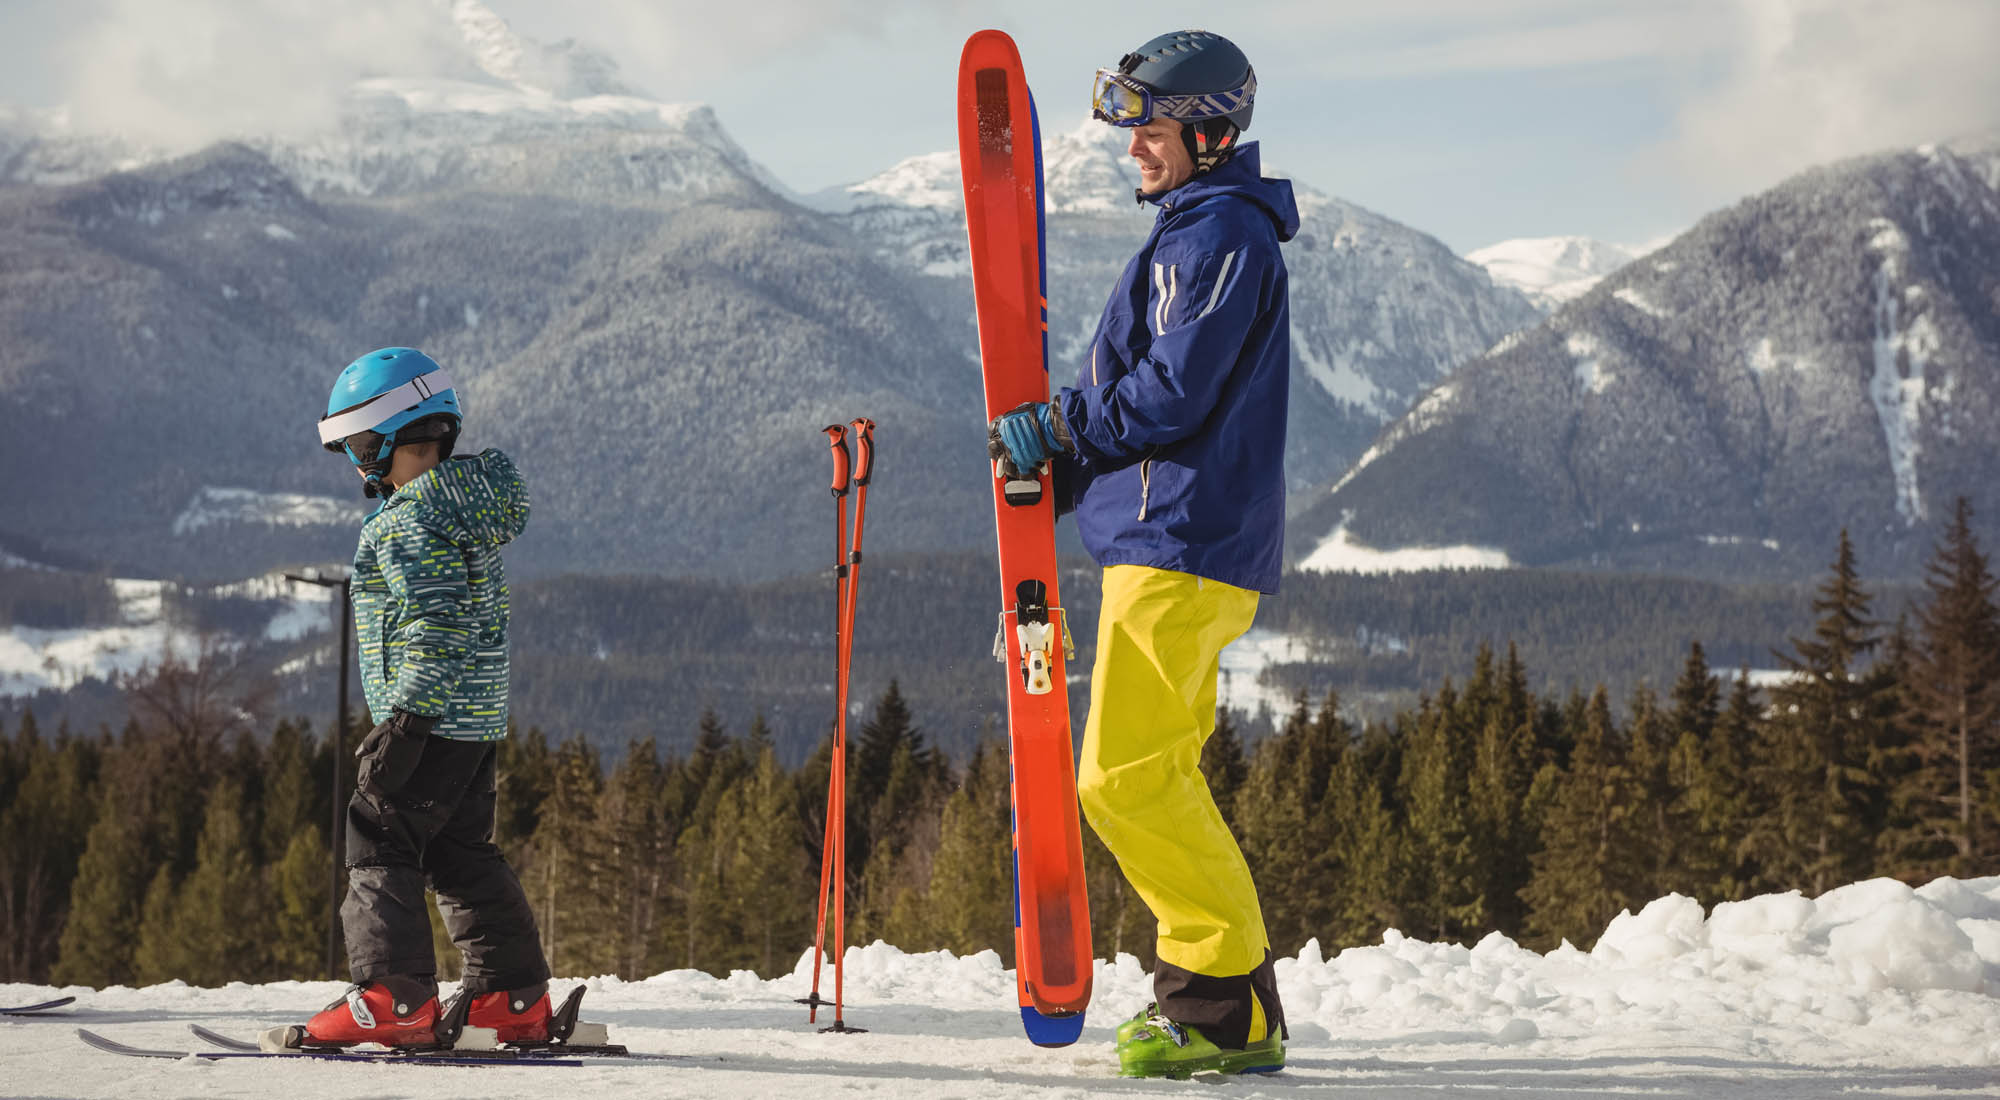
(843, 461)
(863, 431)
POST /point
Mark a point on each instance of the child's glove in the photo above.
(390, 752)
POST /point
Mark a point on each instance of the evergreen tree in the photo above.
(217, 928)
(1663, 833)
(1446, 897)
(972, 882)
(1225, 767)
(1810, 763)
(1584, 871)
(45, 819)
(566, 884)
(299, 915)
(160, 955)
(1371, 895)
(1705, 771)
(1953, 685)
(637, 850)
(767, 874)
(1498, 810)
(107, 898)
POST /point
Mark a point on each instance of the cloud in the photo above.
(678, 47)
(1441, 37)
(182, 73)
(1809, 81)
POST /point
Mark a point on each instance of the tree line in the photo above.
(194, 843)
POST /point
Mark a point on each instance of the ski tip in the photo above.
(1051, 1031)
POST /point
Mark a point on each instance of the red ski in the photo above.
(1000, 161)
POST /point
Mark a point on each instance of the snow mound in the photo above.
(1872, 988)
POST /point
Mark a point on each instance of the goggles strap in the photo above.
(338, 426)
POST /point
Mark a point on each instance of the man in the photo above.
(430, 609)
(1170, 449)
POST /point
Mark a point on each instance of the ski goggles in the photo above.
(361, 448)
(1122, 101)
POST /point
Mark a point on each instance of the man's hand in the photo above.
(390, 752)
(1029, 435)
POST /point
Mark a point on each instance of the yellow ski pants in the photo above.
(1152, 706)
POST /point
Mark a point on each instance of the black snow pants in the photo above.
(437, 832)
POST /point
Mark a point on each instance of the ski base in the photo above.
(37, 1009)
(393, 1057)
(544, 1050)
(1051, 1031)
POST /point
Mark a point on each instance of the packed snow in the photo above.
(1339, 553)
(1873, 989)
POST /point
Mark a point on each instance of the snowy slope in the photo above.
(1551, 270)
(1873, 989)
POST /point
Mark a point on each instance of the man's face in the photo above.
(1163, 158)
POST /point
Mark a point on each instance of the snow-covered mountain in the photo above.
(512, 114)
(609, 277)
(1551, 270)
(1824, 355)
(1872, 989)
(1380, 311)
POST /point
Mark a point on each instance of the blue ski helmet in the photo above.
(1198, 77)
(386, 397)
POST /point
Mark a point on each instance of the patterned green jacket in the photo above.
(430, 596)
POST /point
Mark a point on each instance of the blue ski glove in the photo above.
(1029, 435)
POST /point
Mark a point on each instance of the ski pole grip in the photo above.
(843, 461)
(863, 430)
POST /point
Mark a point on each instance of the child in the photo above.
(430, 608)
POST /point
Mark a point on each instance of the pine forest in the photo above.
(194, 842)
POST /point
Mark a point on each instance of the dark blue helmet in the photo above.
(1198, 77)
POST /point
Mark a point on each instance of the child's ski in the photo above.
(1000, 160)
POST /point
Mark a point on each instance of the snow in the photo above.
(1632, 296)
(1243, 663)
(1739, 540)
(279, 233)
(1552, 270)
(1339, 553)
(35, 658)
(1873, 989)
(1340, 378)
(1902, 354)
(214, 504)
(1586, 351)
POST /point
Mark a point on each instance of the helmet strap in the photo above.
(1210, 142)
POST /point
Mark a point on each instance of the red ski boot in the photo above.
(515, 1016)
(395, 1012)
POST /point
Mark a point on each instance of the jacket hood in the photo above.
(484, 494)
(1240, 175)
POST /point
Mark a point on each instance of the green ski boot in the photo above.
(1130, 1027)
(1163, 1048)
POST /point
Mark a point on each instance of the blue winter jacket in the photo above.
(1179, 413)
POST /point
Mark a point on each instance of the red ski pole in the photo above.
(863, 431)
(835, 827)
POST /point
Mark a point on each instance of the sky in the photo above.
(1474, 120)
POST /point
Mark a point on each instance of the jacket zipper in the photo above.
(1145, 485)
